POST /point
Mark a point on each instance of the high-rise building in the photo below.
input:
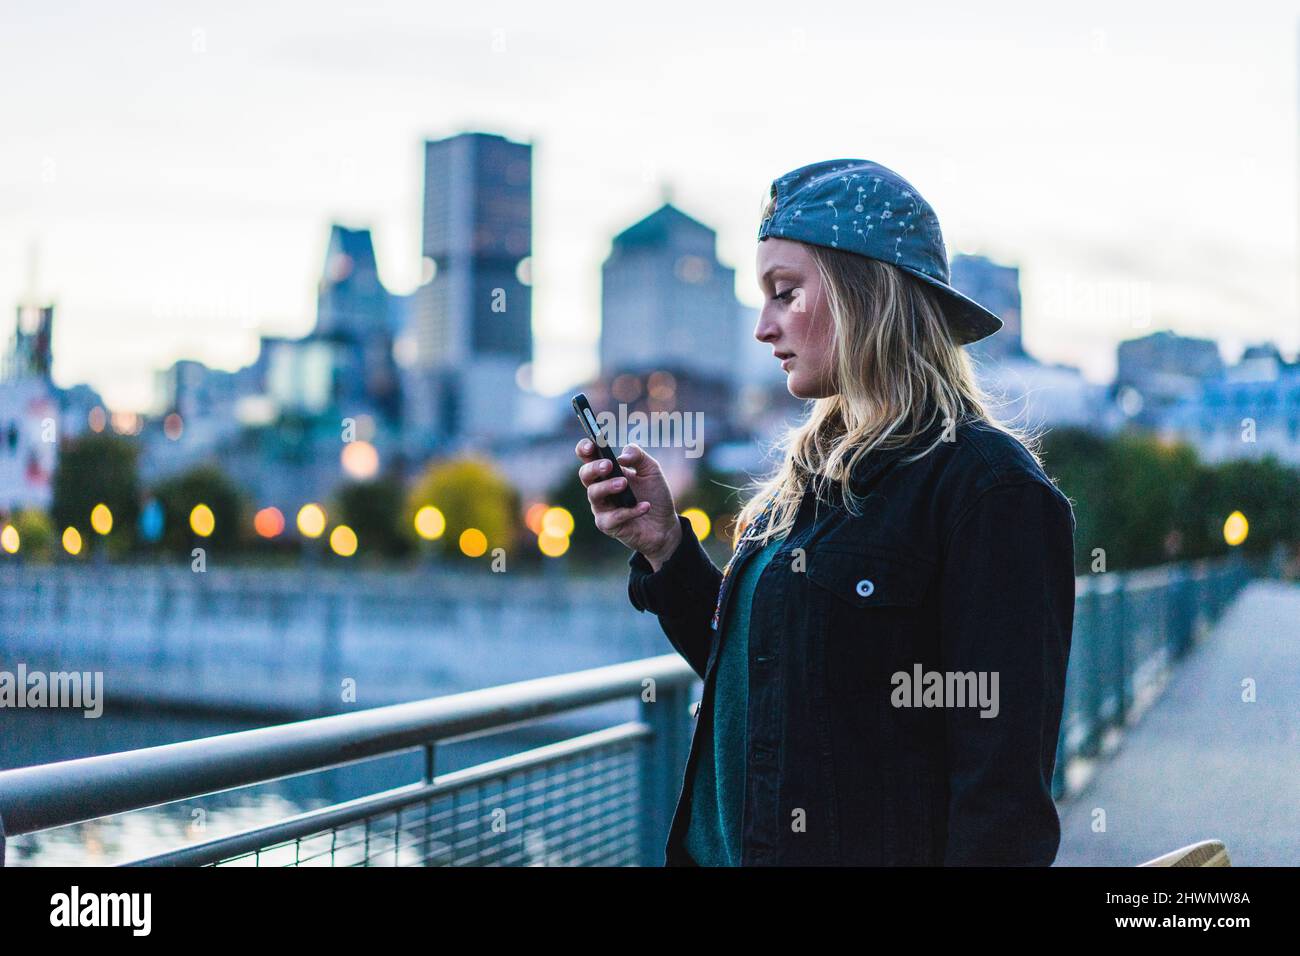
(31, 412)
(473, 318)
(354, 313)
(30, 352)
(997, 288)
(667, 300)
(1161, 369)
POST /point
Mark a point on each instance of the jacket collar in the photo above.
(872, 464)
(868, 468)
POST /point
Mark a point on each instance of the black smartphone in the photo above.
(582, 408)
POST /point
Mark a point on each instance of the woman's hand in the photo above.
(652, 526)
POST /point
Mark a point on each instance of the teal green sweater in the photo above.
(718, 792)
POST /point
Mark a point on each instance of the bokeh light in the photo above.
(343, 541)
(430, 523)
(101, 519)
(552, 545)
(1236, 528)
(533, 516)
(72, 540)
(173, 426)
(152, 520)
(9, 539)
(473, 542)
(700, 522)
(557, 522)
(202, 520)
(311, 520)
(360, 460)
(268, 522)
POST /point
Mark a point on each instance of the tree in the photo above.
(35, 533)
(207, 485)
(97, 469)
(375, 510)
(470, 493)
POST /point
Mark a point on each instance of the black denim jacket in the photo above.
(961, 562)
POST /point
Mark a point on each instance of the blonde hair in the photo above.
(897, 371)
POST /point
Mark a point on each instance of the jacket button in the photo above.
(865, 587)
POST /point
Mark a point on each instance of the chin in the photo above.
(799, 389)
(802, 390)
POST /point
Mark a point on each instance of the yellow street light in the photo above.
(473, 542)
(557, 522)
(343, 541)
(202, 520)
(700, 522)
(1236, 528)
(430, 523)
(311, 520)
(101, 519)
(552, 545)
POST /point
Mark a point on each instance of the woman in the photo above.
(884, 655)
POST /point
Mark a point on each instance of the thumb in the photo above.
(635, 456)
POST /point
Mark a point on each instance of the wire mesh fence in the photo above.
(579, 809)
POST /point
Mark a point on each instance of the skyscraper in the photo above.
(30, 350)
(666, 299)
(355, 316)
(473, 318)
(997, 288)
(29, 411)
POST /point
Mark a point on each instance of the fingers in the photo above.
(598, 491)
(587, 452)
(594, 471)
(600, 469)
(612, 520)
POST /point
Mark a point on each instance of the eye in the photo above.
(785, 296)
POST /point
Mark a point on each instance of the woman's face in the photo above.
(796, 319)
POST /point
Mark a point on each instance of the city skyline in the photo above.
(181, 219)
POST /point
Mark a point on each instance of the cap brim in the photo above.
(968, 320)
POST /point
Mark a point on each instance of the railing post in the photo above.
(1123, 656)
(663, 762)
(1096, 640)
(429, 768)
(1181, 616)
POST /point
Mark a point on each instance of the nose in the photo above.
(765, 330)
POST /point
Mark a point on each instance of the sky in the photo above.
(173, 169)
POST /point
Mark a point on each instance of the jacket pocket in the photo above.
(871, 577)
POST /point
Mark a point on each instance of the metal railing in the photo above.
(1130, 627)
(603, 798)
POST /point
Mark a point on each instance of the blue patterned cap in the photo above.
(862, 207)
